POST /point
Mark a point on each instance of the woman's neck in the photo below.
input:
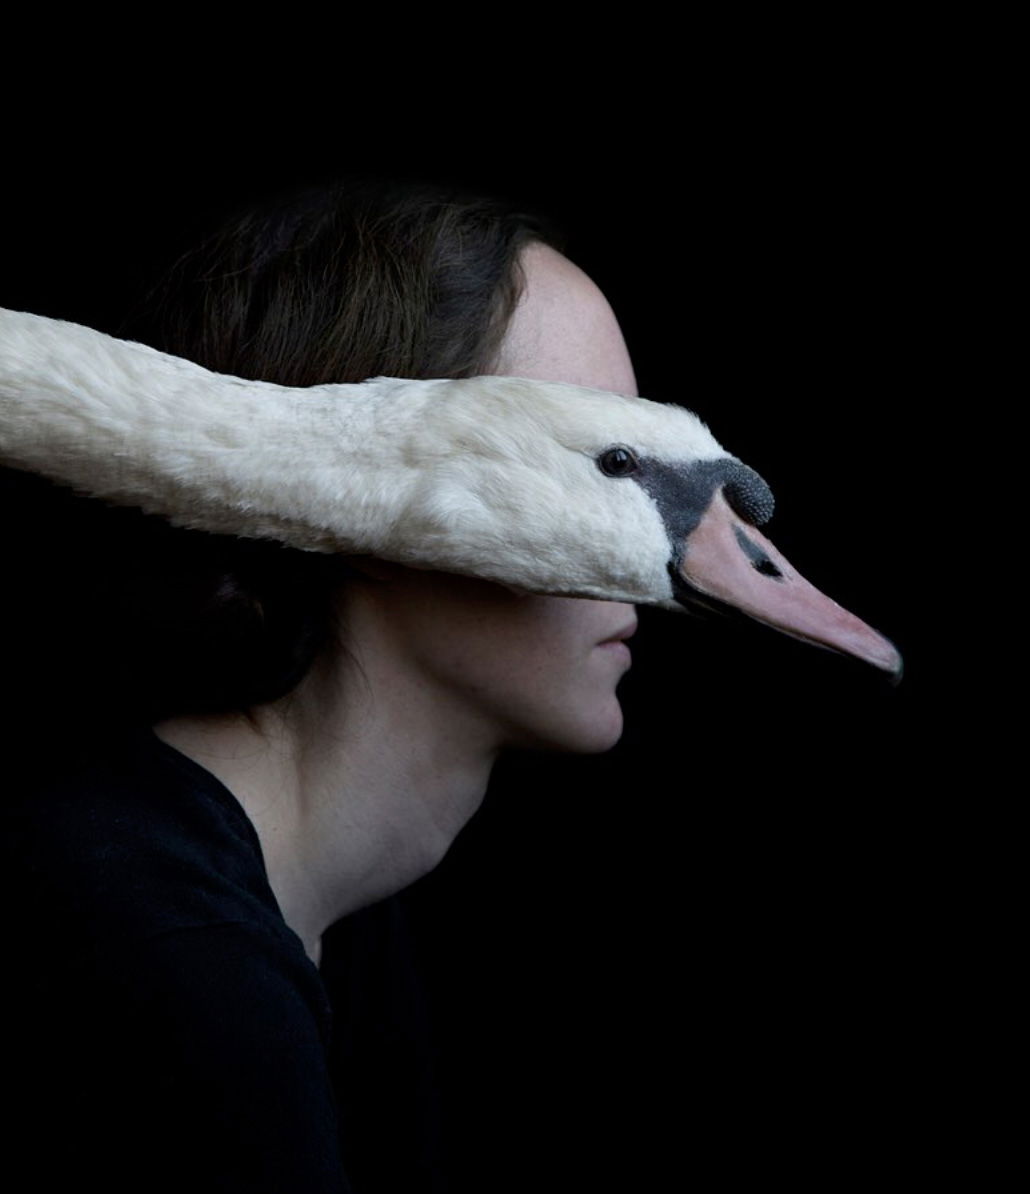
(357, 783)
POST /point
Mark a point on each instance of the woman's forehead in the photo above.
(563, 328)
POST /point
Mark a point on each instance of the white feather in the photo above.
(490, 476)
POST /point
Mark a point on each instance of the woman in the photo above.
(322, 729)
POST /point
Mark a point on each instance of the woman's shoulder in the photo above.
(127, 839)
(152, 978)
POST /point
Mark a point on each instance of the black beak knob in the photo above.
(748, 494)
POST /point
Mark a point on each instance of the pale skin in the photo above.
(359, 780)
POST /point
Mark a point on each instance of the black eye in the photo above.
(617, 462)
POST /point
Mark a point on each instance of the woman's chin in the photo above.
(612, 732)
(591, 735)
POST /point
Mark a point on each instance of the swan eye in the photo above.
(618, 462)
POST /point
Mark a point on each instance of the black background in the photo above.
(725, 947)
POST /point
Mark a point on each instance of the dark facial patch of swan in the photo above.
(759, 560)
(684, 492)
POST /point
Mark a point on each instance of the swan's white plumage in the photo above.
(493, 477)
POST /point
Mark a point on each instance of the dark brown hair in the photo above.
(339, 284)
(357, 280)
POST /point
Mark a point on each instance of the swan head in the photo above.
(557, 489)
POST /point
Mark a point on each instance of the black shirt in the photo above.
(165, 1029)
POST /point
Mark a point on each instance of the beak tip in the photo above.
(739, 567)
(884, 656)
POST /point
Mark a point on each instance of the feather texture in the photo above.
(491, 477)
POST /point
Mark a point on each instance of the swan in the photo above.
(545, 487)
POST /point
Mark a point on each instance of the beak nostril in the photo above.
(766, 567)
(759, 560)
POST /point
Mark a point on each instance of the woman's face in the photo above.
(530, 671)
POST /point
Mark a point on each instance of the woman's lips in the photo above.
(621, 636)
(617, 643)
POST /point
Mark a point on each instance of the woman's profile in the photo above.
(224, 748)
(260, 742)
